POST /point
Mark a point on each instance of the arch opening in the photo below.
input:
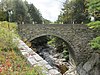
(56, 51)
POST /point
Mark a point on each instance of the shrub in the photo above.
(8, 32)
(94, 25)
(7, 25)
(40, 70)
(7, 39)
(95, 43)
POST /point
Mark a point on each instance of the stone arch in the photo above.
(77, 36)
(70, 48)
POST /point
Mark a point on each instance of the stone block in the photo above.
(37, 57)
(48, 67)
(24, 52)
(32, 61)
(43, 62)
(54, 72)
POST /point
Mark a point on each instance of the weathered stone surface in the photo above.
(32, 61)
(43, 62)
(91, 62)
(80, 70)
(83, 72)
(91, 67)
(48, 67)
(77, 37)
(95, 70)
(54, 72)
(37, 57)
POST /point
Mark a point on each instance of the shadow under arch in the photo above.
(67, 42)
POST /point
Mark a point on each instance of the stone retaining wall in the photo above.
(35, 60)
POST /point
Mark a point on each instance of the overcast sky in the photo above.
(50, 9)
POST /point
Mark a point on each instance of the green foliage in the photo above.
(93, 5)
(39, 70)
(94, 25)
(6, 39)
(7, 36)
(78, 11)
(9, 25)
(73, 11)
(60, 46)
(66, 54)
(52, 42)
(95, 43)
(21, 12)
(35, 14)
(31, 72)
(2, 16)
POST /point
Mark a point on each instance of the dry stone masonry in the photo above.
(77, 37)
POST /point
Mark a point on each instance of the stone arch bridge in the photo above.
(77, 36)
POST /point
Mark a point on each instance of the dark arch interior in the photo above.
(54, 50)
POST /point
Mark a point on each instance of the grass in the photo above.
(8, 25)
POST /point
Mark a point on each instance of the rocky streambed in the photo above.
(56, 60)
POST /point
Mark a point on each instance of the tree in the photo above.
(73, 12)
(20, 11)
(93, 7)
(45, 21)
(2, 16)
(3, 12)
(35, 14)
(28, 18)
